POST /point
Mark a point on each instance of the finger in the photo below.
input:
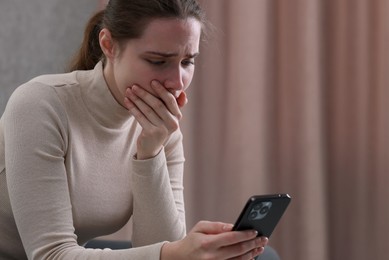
(249, 255)
(168, 98)
(182, 100)
(208, 227)
(146, 110)
(219, 237)
(244, 250)
(234, 237)
(153, 108)
(264, 242)
(138, 115)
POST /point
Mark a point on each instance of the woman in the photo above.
(82, 152)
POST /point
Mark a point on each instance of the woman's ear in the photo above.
(106, 44)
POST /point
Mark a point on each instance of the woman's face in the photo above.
(165, 52)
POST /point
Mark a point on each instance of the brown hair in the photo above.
(127, 19)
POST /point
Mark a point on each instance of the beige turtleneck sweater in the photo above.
(68, 174)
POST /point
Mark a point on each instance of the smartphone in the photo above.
(262, 213)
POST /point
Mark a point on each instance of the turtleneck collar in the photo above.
(99, 100)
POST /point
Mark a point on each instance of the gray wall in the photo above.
(38, 37)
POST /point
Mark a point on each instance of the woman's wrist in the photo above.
(169, 251)
(143, 155)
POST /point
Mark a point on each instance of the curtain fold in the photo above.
(292, 96)
(358, 127)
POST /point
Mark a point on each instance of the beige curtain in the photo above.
(292, 96)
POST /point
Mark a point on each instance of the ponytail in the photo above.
(90, 52)
(127, 19)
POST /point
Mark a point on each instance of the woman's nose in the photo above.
(175, 81)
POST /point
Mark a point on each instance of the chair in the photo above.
(269, 254)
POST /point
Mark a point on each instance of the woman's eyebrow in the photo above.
(170, 54)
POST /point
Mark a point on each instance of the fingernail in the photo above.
(228, 227)
(154, 83)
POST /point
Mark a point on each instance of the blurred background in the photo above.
(289, 97)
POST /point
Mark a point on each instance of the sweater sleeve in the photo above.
(35, 136)
(158, 195)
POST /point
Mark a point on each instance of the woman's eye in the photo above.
(188, 62)
(156, 62)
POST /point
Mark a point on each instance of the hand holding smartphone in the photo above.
(262, 213)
